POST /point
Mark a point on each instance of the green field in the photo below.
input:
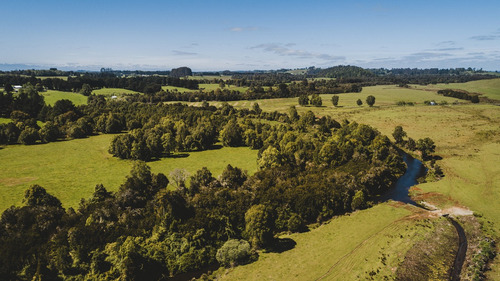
(5, 120)
(205, 87)
(71, 169)
(51, 96)
(467, 137)
(113, 92)
(346, 248)
(489, 88)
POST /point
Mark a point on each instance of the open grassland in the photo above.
(71, 169)
(113, 92)
(366, 244)
(467, 137)
(51, 96)
(223, 77)
(206, 88)
(5, 120)
(385, 96)
(65, 78)
(489, 88)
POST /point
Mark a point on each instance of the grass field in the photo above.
(467, 137)
(71, 169)
(347, 248)
(51, 96)
(5, 120)
(489, 88)
(113, 92)
(205, 87)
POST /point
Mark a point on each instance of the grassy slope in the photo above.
(490, 88)
(71, 169)
(347, 248)
(467, 137)
(205, 87)
(52, 96)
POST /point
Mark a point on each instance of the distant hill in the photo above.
(341, 71)
(181, 72)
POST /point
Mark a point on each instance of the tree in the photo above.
(358, 200)
(316, 100)
(292, 112)
(202, 178)
(8, 88)
(49, 132)
(399, 134)
(370, 100)
(86, 90)
(426, 147)
(269, 158)
(179, 177)
(232, 134)
(258, 226)
(359, 102)
(63, 106)
(256, 108)
(38, 196)
(233, 252)
(232, 177)
(303, 100)
(29, 136)
(474, 99)
(335, 100)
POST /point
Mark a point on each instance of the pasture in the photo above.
(108, 92)
(71, 169)
(51, 96)
(489, 88)
(366, 243)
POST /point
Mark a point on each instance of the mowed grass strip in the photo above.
(51, 96)
(347, 248)
(71, 169)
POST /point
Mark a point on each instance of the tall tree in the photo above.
(335, 100)
(370, 100)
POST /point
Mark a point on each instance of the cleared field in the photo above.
(113, 92)
(71, 169)
(467, 137)
(385, 96)
(489, 88)
(65, 78)
(51, 96)
(5, 120)
(205, 87)
(347, 248)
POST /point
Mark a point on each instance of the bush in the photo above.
(234, 252)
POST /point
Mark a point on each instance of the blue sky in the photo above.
(247, 35)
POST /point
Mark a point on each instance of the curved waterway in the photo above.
(414, 170)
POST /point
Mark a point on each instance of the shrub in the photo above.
(234, 252)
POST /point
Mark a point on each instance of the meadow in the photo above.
(206, 88)
(51, 96)
(489, 88)
(467, 138)
(71, 169)
(108, 92)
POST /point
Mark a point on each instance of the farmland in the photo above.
(51, 96)
(71, 169)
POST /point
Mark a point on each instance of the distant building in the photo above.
(17, 87)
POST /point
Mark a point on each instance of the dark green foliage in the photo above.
(359, 102)
(474, 99)
(29, 136)
(426, 146)
(62, 106)
(232, 177)
(86, 90)
(316, 100)
(303, 100)
(370, 100)
(335, 100)
(38, 196)
(292, 112)
(399, 134)
(29, 101)
(231, 134)
(49, 132)
(259, 226)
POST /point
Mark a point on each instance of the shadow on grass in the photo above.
(281, 245)
(179, 155)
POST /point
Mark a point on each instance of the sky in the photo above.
(210, 35)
